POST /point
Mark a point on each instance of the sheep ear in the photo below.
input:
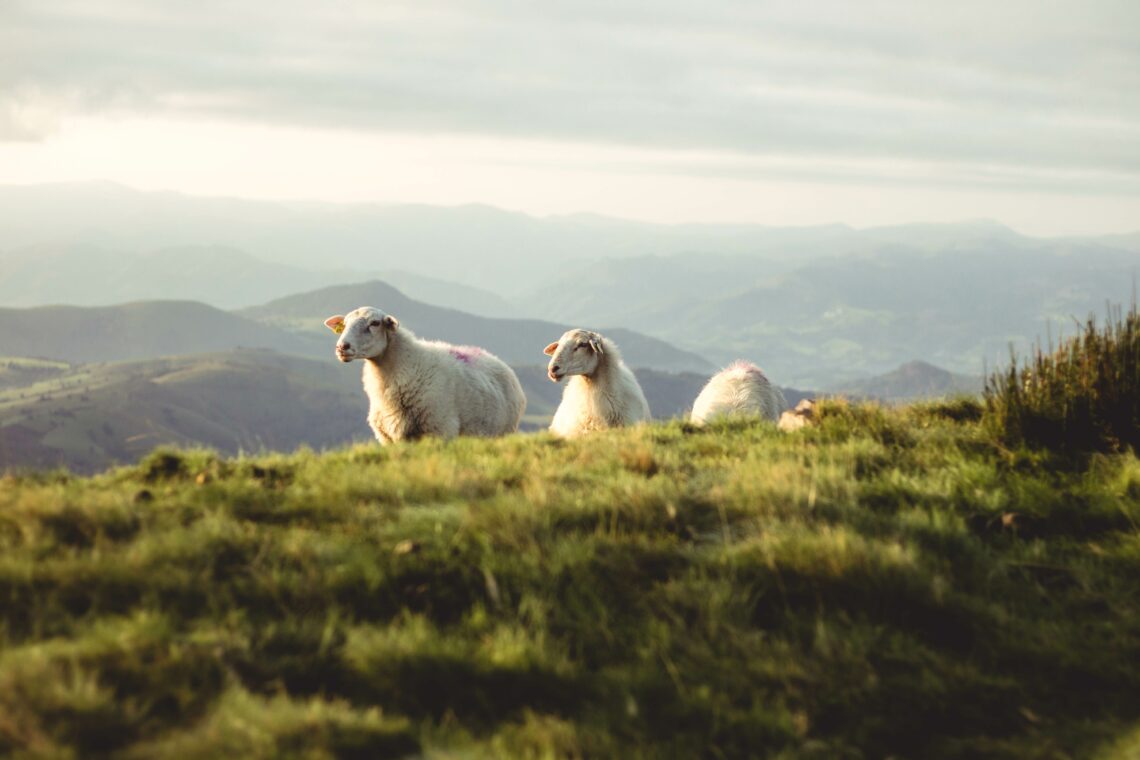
(391, 323)
(596, 345)
(336, 324)
(549, 350)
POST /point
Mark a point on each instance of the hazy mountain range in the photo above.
(129, 319)
(815, 306)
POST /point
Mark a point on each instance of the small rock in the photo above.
(790, 421)
(407, 546)
(800, 417)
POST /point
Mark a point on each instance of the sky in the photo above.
(776, 113)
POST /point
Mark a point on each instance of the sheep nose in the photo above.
(344, 347)
(554, 368)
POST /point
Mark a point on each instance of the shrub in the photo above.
(1083, 396)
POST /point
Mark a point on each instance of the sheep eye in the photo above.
(374, 323)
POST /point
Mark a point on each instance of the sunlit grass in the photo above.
(895, 582)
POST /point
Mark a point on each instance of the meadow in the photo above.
(891, 583)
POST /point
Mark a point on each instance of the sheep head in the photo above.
(577, 352)
(364, 333)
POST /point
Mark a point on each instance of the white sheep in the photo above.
(602, 392)
(417, 387)
(739, 389)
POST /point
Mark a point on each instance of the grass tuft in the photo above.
(1083, 396)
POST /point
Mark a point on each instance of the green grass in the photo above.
(892, 583)
(1083, 396)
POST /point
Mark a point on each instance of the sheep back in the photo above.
(741, 389)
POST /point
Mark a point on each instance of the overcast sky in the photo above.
(1026, 111)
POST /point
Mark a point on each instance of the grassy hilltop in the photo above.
(891, 583)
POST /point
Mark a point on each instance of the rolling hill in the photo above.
(292, 325)
(141, 330)
(87, 417)
(516, 341)
(93, 416)
(913, 380)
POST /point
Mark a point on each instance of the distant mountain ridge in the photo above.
(505, 252)
(516, 341)
(141, 330)
(835, 320)
(292, 325)
(911, 381)
(223, 277)
(815, 306)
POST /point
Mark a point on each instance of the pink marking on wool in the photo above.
(466, 354)
(748, 367)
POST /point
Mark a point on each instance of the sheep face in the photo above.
(363, 333)
(577, 352)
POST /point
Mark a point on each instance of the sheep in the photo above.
(417, 387)
(739, 389)
(602, 392)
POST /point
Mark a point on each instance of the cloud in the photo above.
(1018, 84)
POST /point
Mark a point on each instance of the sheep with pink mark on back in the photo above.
(741, 389)
(602, 392)
(418, 387)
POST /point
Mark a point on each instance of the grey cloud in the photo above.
(1018, 83)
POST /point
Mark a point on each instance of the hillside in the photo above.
(141, 330)
(888, 585)
(89, 417)
(93, 416)
(515, 341)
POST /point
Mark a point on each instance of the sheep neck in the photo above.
(602, 374)
(387, 366)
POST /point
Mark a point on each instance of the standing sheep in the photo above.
(417, 388)
(739, 389)
(602, 392)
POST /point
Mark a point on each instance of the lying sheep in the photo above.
(739, 389)
(602, 392)
(417, 388)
